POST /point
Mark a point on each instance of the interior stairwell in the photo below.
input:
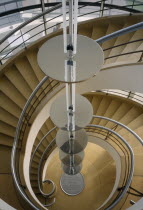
(20, 75)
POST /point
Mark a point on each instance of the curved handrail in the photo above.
(115, 141)
(40, 163)
(128, 8)
(101, 127)
(19, 130)
(111, 206)
(101, 40)
(36, 149)
(45, 152)
(46, 195)
(29, 21)
(35, 103)
(123, 93)
(40, 142)
(128, 182)
(105, 118)
(120, 32)
(16, 138)
(122, 54)
(57, 6)
(13, 158)
(122, 44)
(122, 125)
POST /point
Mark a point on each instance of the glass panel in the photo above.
(58, 112)
(68, 159)
(80, 141)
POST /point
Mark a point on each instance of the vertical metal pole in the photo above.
(21, 32)
(131, 95)
(70, 86)
(110, 8)
(70, 57)
(23, 39)
(64, 25)
(102, 8)
(70, 74)
(133, 4)
(44, 18)
(71, 23)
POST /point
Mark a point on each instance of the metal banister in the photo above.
(122, 125)
(120, 32)
(105, 118)
(39, 168)
(29, 21)
(46, 195)
(100, 40)
(123, 93)
(40, 142)
(111, 206)
(17, 132)
(13, 155)
(14, 149)
(128, 182)
(41, 161)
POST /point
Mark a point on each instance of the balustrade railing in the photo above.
(116, 138)
(105, 132)
(137, 97)
(27, 113)
(8, 49)
(19, 134)
(24, 121)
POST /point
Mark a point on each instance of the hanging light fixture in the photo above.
(71, 58)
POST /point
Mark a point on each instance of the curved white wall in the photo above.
(116, 157)
(121, 77)
(128, 77)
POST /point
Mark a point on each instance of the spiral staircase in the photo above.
(21, 76)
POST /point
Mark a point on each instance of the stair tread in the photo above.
(110, 111)
(121, 39)
(120, 112)
(131, 47)
(7, 129)
(8, 118)
(111, 28)
(7, 104)
(134, 124)
(6, 140)
(27, 72)
(105, 102)
(11, 92)
(98, 31)
(18, 81)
